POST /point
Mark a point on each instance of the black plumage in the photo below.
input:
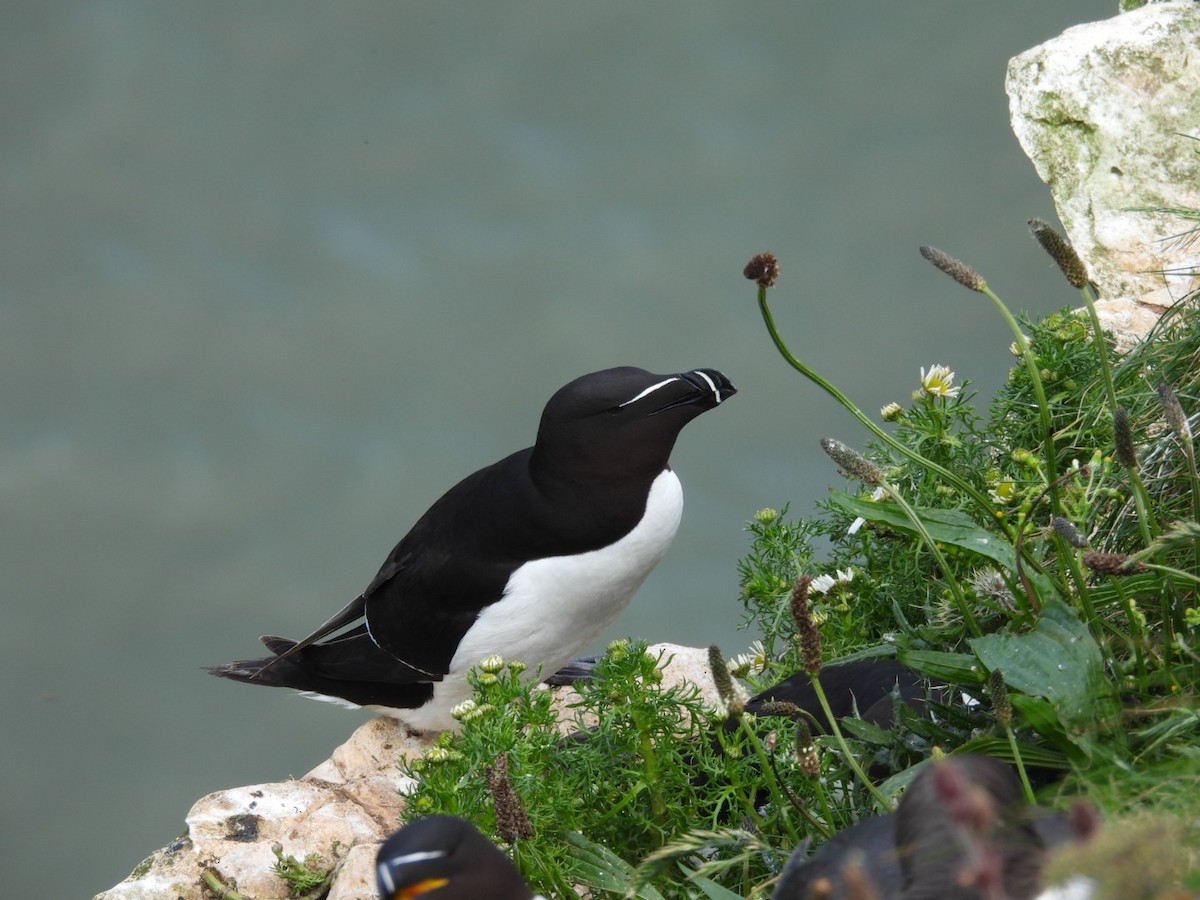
(597, 474)
(445, 858)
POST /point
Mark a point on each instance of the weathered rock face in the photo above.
(353, 800)
(1109, 113)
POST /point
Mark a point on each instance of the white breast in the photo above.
(553, 607)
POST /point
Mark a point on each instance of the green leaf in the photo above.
(714, 891)
(946, 526)
(1058, 661)
(866, 731)
(901, 780)
(955, 668)
(595, 866)
(1031, 754)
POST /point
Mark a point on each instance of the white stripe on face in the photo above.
(650, 390)
(711, 384)
(385, 868)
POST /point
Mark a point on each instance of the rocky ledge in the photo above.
(351, 801)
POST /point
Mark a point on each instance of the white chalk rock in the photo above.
(1109, 114)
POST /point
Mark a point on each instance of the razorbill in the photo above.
(529, 558)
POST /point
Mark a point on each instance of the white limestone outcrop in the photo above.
(1109, 114)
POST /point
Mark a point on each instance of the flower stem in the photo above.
(901, 448)
(1016, 752)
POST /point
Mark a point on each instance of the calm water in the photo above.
(276, 275)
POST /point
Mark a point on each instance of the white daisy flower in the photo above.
(824, 583)
(939, 382)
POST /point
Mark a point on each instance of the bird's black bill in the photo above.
(709, 387)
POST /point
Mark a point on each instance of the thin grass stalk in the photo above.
(782, 801)
(1026, 787)
(1101, 346)
(1136, 637)
(1039, 393)
(839, 738)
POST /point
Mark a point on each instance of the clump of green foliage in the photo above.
(309, 877)
(1041, 554)
(646, 764)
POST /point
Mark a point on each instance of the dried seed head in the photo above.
(1123, 436)
(1060, 251)
(778, 708)
(959, 271)
(1173, 412)
(1066, 530)
(1111, 563)
(724, 682)
(989, 585)
(511, 820)
(852, 462)
(762, 268)
(810, 633)
(1001, 705)
(806, 750)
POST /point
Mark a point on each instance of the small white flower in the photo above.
(820, 584)
(823, 583)
(752, 663)
(463, 710)
(939, 382)
(876, 495)
(441, 755)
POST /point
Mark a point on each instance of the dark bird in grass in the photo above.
(868, 687)
(529, 558)
(962, 831)
(445, 858)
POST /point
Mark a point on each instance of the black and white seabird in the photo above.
(445, 858)
(529, 558)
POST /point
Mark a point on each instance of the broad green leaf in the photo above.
(947, 526)
(1058, 661)
(898, 782)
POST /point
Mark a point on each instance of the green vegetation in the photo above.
(309, 877)
(1041, 554)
